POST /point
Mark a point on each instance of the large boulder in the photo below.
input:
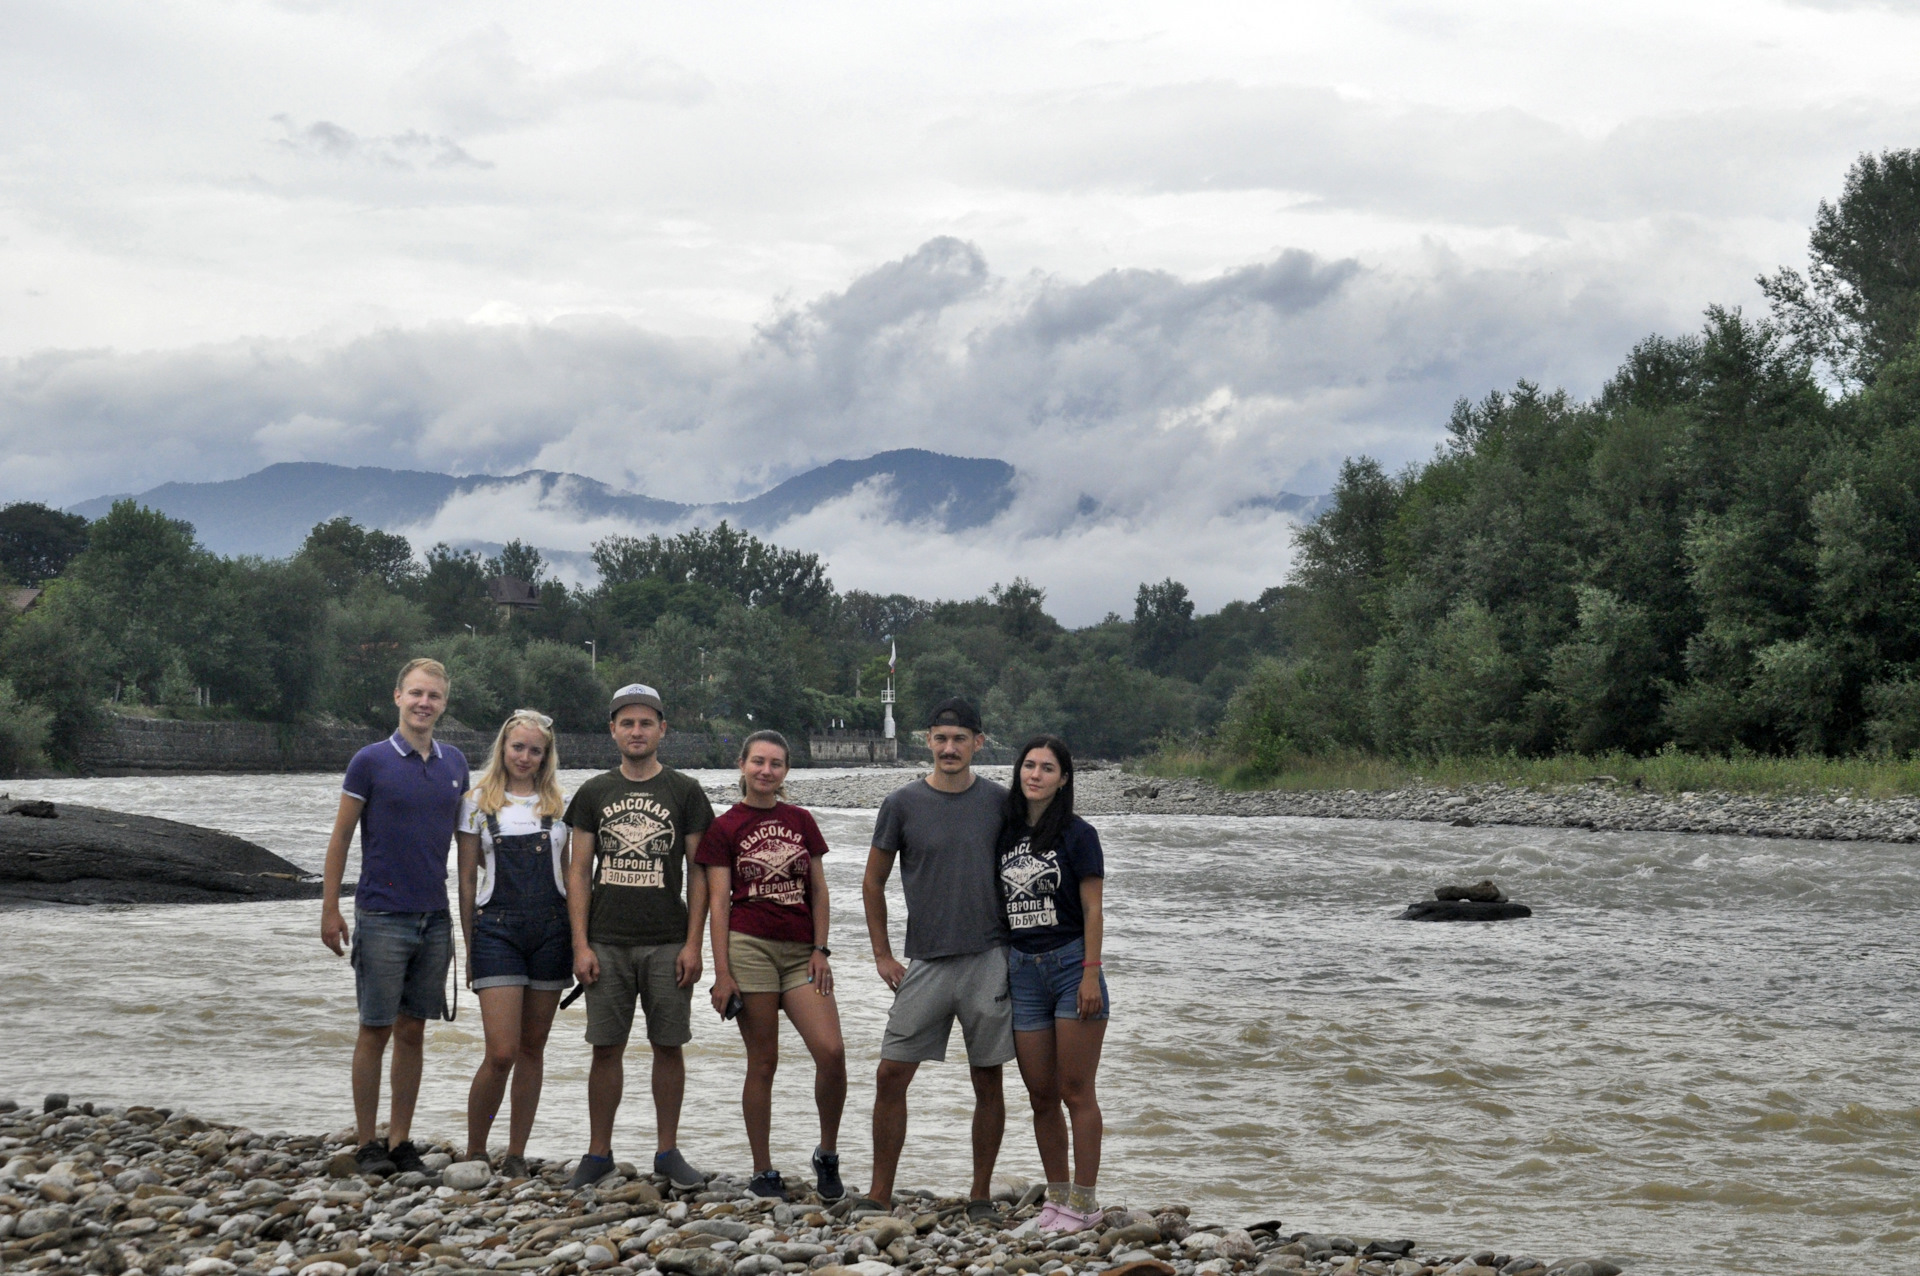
(68, 854)
(1462, 910)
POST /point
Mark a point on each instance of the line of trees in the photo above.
(736, 632)
(1719, 553)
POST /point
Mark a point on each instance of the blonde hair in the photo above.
(422, 664)
(490, 790)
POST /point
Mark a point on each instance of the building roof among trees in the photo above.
(510, 591)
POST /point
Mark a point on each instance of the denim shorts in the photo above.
(1046, 986)
(522, 947)
(400, 965)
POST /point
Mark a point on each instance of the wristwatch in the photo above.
(823, 950)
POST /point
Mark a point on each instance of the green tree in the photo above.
(37, 542)
(520, 561)
(454, 591)
(348, 555)
(1858, 306)
(24, 731)
(1162, 623)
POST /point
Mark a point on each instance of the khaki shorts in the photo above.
(767, 965)
(938, 990)
(643, 973)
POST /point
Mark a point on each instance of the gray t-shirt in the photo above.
(949, 865)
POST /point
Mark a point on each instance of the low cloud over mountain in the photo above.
(1159, 410)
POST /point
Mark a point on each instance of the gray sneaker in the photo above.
(589, 1171)
(678, 1172)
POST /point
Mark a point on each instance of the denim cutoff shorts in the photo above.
(400, 965)
(522, 947)
(1046, 986)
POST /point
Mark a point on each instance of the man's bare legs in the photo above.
(890, 1082)
(890, 1126)
(409, 1037)
(606, 1082)
(669, 1089)
(989, 1127)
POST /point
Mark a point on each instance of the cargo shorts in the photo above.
(640, 973)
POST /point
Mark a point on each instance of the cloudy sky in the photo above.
(1169, 256)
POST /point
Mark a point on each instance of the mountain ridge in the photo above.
(270, 511)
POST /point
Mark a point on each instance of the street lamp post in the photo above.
(593, 650)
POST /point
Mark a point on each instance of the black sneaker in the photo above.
(589, 1171)
(768, 1183)
(372, 1158)
(826, 1174)
(514, 1167)
(406, 1158)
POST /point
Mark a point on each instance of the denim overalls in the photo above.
(521, 935)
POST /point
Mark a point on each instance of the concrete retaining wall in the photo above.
(147, 746)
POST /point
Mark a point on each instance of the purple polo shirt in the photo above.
(413, 804)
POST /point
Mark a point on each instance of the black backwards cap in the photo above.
(954, 712)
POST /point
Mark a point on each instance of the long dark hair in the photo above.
(1059, 812)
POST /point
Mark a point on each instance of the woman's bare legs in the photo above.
(817, 1019)
(530, 1068)
(760, 1030)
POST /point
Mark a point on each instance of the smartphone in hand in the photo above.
(735, 1004)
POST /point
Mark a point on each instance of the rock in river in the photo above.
(1461, 910)
(85, 855)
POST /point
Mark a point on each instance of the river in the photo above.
(1699, 1054)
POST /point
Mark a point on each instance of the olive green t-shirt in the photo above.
(640, 831)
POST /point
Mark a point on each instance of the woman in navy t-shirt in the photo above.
(1051, 872)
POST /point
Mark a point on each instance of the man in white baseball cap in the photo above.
(635, 939)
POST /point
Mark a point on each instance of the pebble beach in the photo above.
(131, 1189)
(1602, 804)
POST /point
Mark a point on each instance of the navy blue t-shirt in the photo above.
(1042, 889)
(406, 828)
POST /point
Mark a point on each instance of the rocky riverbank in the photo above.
(70, 854)
(1598, 804)
(151, 1190)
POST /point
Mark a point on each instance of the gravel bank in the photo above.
(120, 1190)
(1599, 804)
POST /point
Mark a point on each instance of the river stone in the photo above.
(322, 1267)
(53, 1102)
(885, 1230)
(757, 1265)
(1142, 1267)
(599, 1252)
(1429, 910)
(341, 1165)
(208, 1266)
(1481, 892)
(693, 1262)
(41, 1221)
(1130, 1234)
(467, 1176)
(1237, 1245)
(795, 1251)
(1282, 1263)
(725, 1228)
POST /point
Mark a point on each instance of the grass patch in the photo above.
(1669, 771)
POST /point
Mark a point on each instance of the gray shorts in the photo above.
(642, 973)
(938, 990)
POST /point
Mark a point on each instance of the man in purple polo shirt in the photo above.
(403, 794)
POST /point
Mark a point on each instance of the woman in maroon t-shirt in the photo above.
(769, 897)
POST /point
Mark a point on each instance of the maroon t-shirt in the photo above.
(771, 855)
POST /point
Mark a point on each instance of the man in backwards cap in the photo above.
(943, 830)
(635, 831)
